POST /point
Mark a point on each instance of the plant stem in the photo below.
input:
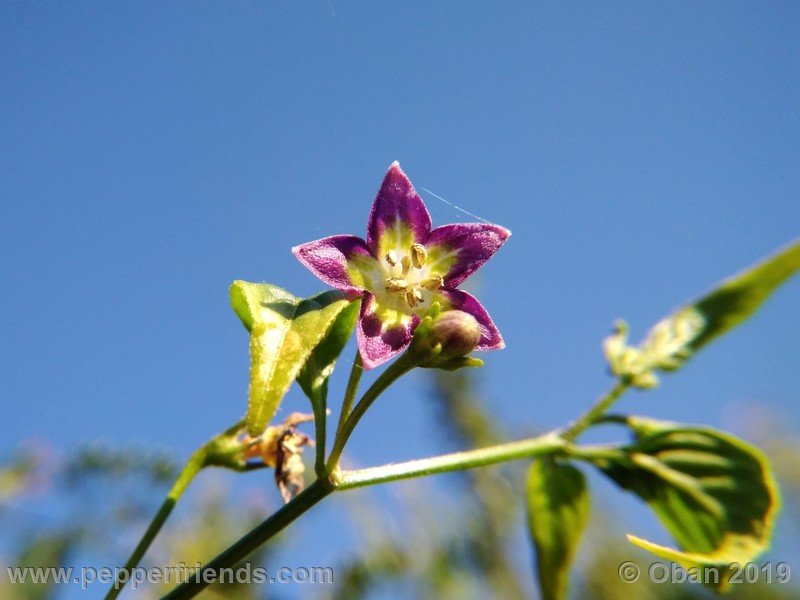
(596, 454)
(252, 540)
(613, 418)
(194, 465)
(351, 391)
(591, 416)
(320, 408)
(396, 370)
(549, 443)
(469, 459)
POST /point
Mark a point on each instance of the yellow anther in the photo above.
(391, 257)
(406, 262)
(433, 283)
(418, 255)
(413, 297)
(396, 284)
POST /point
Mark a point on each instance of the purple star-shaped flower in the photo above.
(404, 266)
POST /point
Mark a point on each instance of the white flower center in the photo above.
(407, 278)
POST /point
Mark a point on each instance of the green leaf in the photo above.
(674, 339)
(43, 552)
(313, 377)
(284, 330)
(713, 492)
(558, 508)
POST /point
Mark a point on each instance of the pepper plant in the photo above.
(397, 290)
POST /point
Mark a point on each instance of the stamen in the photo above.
(391, 257)
(418, 295)
(413, 297)
(418, 255)
(406, 262)
(433, 283)
(396, 284)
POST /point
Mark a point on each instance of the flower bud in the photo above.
(457, 332)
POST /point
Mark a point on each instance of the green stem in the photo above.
(319, 405)
(469, 459)
(396, 370)
(546, 444)
(591, 416)
(613, 418)
(252, 540)
(192, 468)
(350, 392)
(596, 454)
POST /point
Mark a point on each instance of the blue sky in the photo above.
(153, 152)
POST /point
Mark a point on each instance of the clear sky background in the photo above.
(151, 153)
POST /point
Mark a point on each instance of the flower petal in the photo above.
(398, 217)
(341, 261)
(382, 332)
(490, 336)
(456, 251)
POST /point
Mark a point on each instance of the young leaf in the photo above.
(733, 301)
(713, 492)
(284, 330)
(558, 508)
(313, 377)
(674, 339)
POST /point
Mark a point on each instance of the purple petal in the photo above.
(468, 246)
(330, 257)
(490, 336)
(397, 201)
(378, 341)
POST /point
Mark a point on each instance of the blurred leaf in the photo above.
(42, 553)
(284, 330)
(313, 377)
(558, 508)
(99, 458)
(15, 476)
(673, 340)
(713, 492)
